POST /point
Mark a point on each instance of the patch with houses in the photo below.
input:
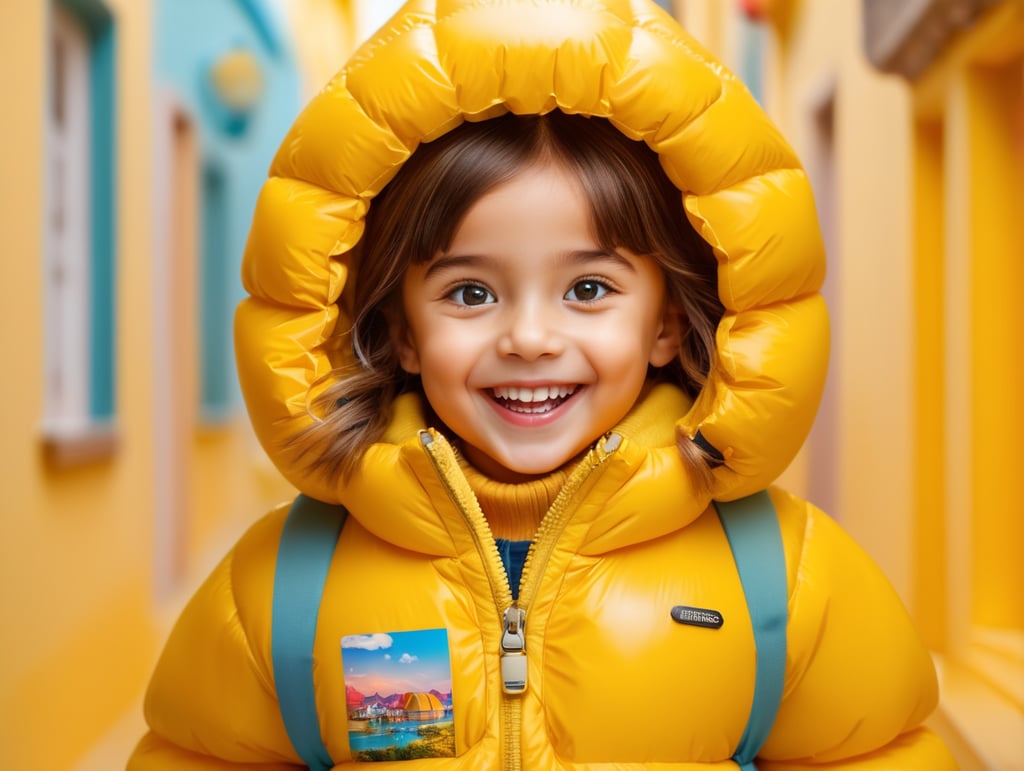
(398, 688)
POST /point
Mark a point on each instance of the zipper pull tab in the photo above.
(513, 651)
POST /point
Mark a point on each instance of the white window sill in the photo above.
(65, 447)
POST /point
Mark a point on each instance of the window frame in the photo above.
(78, 420)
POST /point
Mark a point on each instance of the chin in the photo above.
(522, 470)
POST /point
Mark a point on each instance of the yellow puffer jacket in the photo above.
(614, 682)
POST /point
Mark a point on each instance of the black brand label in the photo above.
(706, 617)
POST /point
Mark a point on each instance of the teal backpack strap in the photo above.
(752, 528)
(304, 557)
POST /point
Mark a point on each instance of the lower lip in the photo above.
(532, 419)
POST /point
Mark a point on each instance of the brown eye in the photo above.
(471, 294)
(587, 290)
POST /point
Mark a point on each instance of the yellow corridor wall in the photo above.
(83, 617)
(919, 184)
(74, 560)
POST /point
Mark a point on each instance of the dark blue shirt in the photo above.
(513, 557)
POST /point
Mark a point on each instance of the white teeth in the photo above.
(530, 395)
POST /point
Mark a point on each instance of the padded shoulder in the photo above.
(851, 646)
(212, 692)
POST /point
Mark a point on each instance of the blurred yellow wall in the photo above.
(327, 33)
(84, 619)
(920, 184)
(74, 562)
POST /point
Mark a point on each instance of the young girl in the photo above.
(526, 351)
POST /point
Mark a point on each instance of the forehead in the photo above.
(541, 205)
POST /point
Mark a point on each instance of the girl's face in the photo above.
(530, 339)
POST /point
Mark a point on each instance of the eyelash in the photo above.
(453, 294)
(607, 287)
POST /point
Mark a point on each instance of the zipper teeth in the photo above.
(512, 718)
(554, 523)
(446, 465)
(539, 553)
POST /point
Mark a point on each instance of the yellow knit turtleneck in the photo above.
(514, 511)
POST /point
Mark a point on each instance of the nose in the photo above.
(531, 333)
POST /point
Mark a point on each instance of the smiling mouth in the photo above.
(533, 401)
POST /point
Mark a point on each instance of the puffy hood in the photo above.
(436, 64)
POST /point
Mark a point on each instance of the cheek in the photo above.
(625, 346)
(445, 359)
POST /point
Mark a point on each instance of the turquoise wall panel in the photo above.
(189, 37)
(102, 391)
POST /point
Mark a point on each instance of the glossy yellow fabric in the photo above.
(612, 678)
(437, 64)
(614, 682)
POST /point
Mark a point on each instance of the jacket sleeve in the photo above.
(211, 704)
(859, 681)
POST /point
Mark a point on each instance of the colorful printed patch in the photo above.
(399, 692)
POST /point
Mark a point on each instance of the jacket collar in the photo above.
(637, 488)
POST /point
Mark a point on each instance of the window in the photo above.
(79, 236)
(823, 458)
(217, 367)
(752, 46)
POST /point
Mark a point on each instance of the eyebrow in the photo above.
(450, 261)
(579, 257)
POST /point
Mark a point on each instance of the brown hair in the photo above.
(634, 206)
